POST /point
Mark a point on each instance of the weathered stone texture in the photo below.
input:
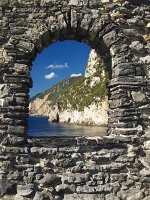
(98, 168)
(112, 168)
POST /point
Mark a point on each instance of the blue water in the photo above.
(40, 127)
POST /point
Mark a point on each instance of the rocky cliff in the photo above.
(80, 100)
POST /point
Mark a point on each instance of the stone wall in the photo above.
(79, 168)
(114, 167)
(118, 30)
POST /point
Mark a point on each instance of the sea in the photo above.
(40, 127)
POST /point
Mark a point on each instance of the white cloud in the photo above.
(56, 66)
(75, 75)
(50, 76)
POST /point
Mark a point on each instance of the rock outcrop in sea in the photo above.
(79, 100)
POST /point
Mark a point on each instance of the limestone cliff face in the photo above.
(40, 106)
(91, 115)
(95, 69)
(80, 100)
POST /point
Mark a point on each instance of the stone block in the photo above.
(147, 198)
(105, 1)
(2, 87)
(124, 70)
(75, 3)
(38, 196)
(14, 141)
(63, 188)
(49, 2)
(21, 68)
(132, 21)
(94, 3)
(110, 38)
(118, 1)
(17, 197)
(92, 190)
(140, 71)
(138, 195)
(6, 186)
(145, 59)
(26, 46)
(16, 130)
(25, 190)
(4, 2)
(131, 195)
(147, 145)
(76, 178)
(136, 45)
(50, 180)
(2, 102)
(111, 197)
(138, 97)
(83, 197)
(119, 48)
(16, 79)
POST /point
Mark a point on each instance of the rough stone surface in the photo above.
(24, 190)
(118, 164)
(50, 180)
(83, 197)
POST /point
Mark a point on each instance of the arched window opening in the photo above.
(69, 95)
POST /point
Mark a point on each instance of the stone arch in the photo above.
(94, 28)
(119, 31)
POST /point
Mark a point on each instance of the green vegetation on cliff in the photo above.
(80, 94)
(77, 92)
(57, 90)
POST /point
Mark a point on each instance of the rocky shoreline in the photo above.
(92, 115)
(85, 102)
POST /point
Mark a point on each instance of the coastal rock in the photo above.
(92, 115)
(54, 115)
(39, 106)
(82, 103)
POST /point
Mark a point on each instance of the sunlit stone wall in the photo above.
(115, 167)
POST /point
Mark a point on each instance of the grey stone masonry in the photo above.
(115, 167)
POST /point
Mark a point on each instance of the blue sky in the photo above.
(57, 62)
